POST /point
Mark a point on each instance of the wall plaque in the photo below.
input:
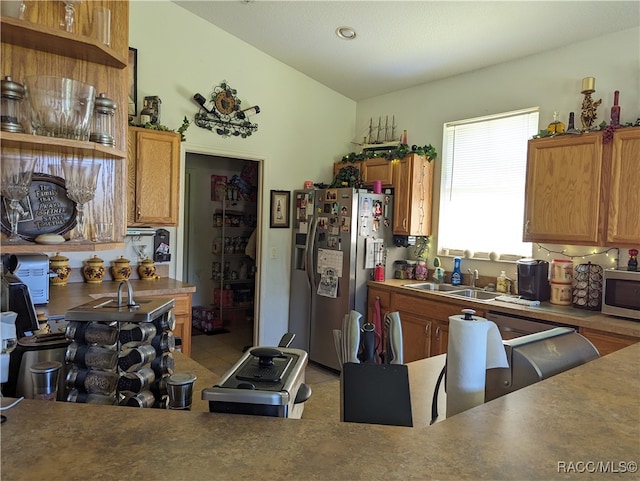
(45, 210)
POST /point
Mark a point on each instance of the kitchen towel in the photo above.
(475, 345)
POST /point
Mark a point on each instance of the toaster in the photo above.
(33, 271)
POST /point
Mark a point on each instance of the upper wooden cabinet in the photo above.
(623, 224)
(562, 194)
(38, 45)
(412, 195)
(370, 170)
(153, 177)
(412, 182)
(581, 191)
(377, 169)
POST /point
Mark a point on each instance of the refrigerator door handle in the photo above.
(309, 267)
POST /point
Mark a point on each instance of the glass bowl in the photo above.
(60, 107)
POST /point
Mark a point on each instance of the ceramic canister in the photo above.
(561, 294)
(121, 269)
(147, 269)
(94, 270)
(561, 271)
(59, 265)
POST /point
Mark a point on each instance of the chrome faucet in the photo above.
(473, 277)
(130, 301)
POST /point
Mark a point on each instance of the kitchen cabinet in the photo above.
(607, 342)
(412, 181)
(381, 295)
(413, 191)
(425, 322)
(370, 170)
(378, 169)
(623, 227)
(38, 46)
(581, 191)
(440, 337)
(153, 177)
(416, 326)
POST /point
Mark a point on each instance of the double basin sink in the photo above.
(457, 291)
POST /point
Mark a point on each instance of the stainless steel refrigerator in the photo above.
(339, 237)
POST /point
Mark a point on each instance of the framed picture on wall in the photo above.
(133, 82)
(280, 208)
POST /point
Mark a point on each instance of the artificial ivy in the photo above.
(403, 150)
(348, 176)
(601, 126)
(181, 130)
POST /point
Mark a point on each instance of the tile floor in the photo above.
(221, 351)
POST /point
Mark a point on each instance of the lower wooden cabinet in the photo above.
(182, 311)
(440, 337)
(607, 342)
(381, 295)
(416, 336)
(425, 323)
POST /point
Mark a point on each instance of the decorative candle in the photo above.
(589, 84)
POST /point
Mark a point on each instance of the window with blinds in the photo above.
(483, 176)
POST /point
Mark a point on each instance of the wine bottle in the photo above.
(615, 109)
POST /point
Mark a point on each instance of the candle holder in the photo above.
(589, 107)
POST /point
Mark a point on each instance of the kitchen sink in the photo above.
(475, 294)
(432, 286)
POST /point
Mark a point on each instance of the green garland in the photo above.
(601, 126)
(402, 151)
(181, 130)
(348, 176)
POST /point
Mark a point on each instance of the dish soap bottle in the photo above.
(456, 275)
(502, 282)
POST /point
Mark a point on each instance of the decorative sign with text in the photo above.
(46, 210)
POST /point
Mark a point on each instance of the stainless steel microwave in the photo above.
(621, 293)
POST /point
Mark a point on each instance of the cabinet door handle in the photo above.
(404, 223)
(139, 210)
(526, 226)
(438, 332)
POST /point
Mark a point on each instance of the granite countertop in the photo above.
(63, 298)
(590, 414)
(545, 312)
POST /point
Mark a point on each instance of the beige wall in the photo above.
(550, 81)
(305, 127)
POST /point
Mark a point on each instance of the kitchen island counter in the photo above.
(63, 298)
(575, 420)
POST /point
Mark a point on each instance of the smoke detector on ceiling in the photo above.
(346, 33)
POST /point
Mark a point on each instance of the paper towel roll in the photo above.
(474, 346)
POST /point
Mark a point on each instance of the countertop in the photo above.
(587, 418)
(63, 298)
(545, 312)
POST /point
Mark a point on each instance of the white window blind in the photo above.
(483, 177)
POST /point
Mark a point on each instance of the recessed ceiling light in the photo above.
(346, 33)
